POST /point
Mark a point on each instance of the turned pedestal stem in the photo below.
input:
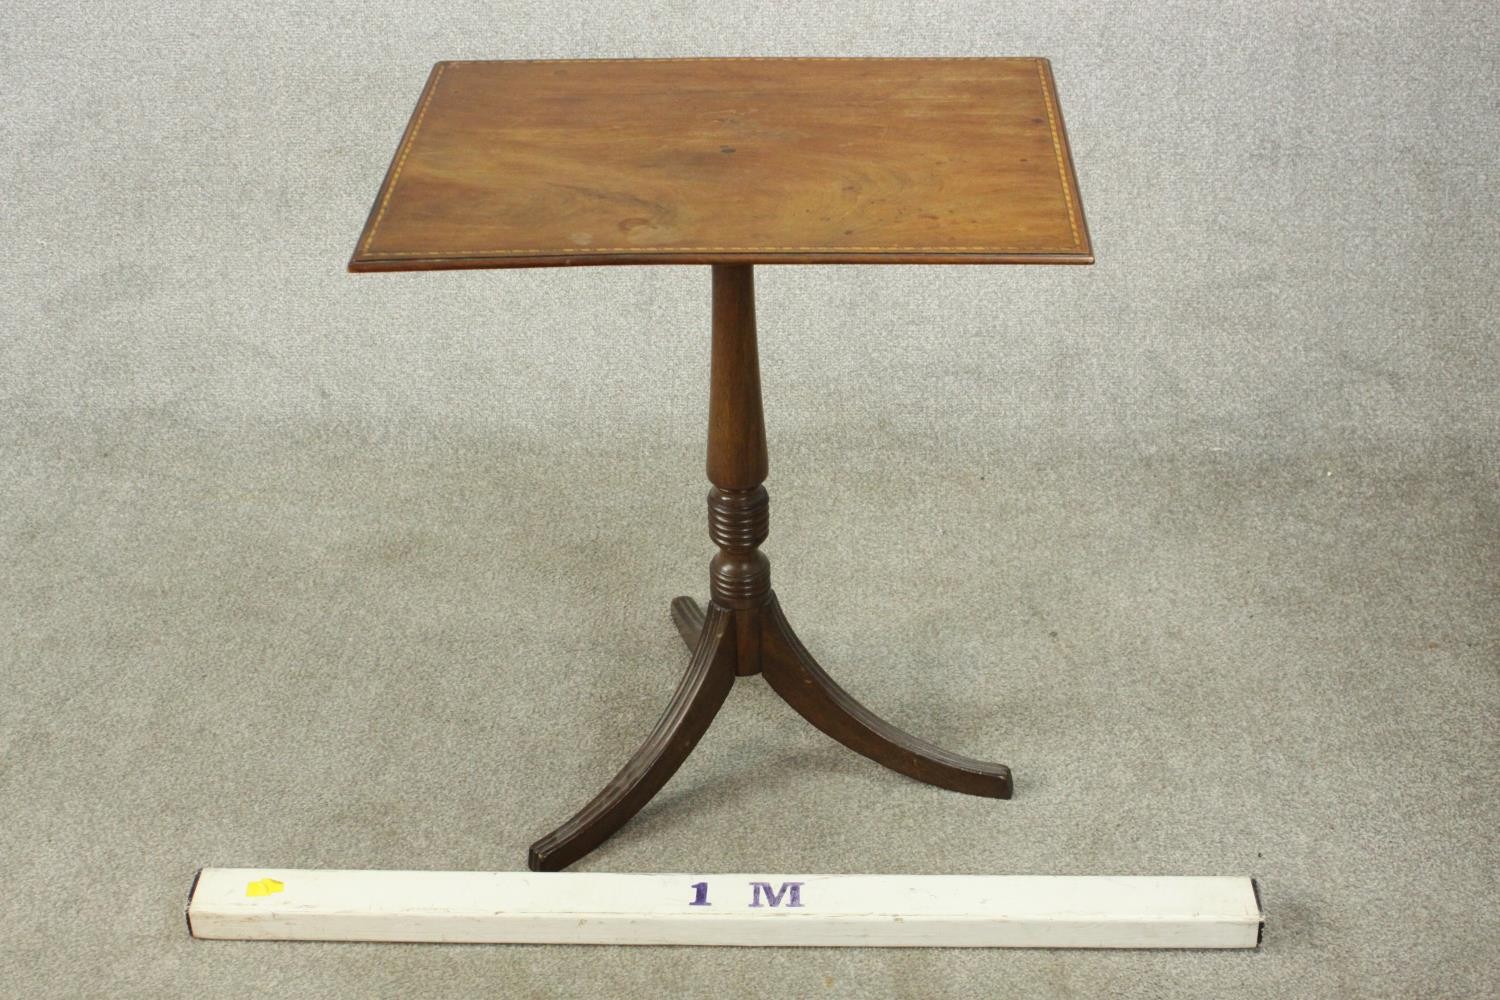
(743, 630)
(739, 577)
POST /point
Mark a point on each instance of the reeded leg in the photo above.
(792, 672)
(743, 630)
(710, 675)
(687, 615)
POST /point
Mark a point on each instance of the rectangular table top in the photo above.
(760, 161)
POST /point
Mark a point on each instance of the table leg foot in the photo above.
(687, 615)
(792, 672)
(710, 675)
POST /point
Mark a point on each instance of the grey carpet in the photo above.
(310, 569)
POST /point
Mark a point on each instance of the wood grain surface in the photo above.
(528, 163)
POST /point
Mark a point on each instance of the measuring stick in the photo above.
(911, 911)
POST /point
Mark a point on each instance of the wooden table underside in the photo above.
(734, 162)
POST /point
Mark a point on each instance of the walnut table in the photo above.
(733, 163)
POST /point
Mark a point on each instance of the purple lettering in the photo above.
(790, 891)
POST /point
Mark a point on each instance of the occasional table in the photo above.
(733, 163)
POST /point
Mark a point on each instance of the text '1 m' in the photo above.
(761, 894)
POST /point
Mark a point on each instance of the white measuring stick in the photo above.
(941, 911)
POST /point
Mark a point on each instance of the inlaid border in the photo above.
(366, 256)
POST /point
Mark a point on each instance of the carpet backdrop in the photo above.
(312, 569)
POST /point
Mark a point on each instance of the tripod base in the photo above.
(743, 631)
(727, 642)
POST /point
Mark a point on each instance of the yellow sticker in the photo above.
(264, 887)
